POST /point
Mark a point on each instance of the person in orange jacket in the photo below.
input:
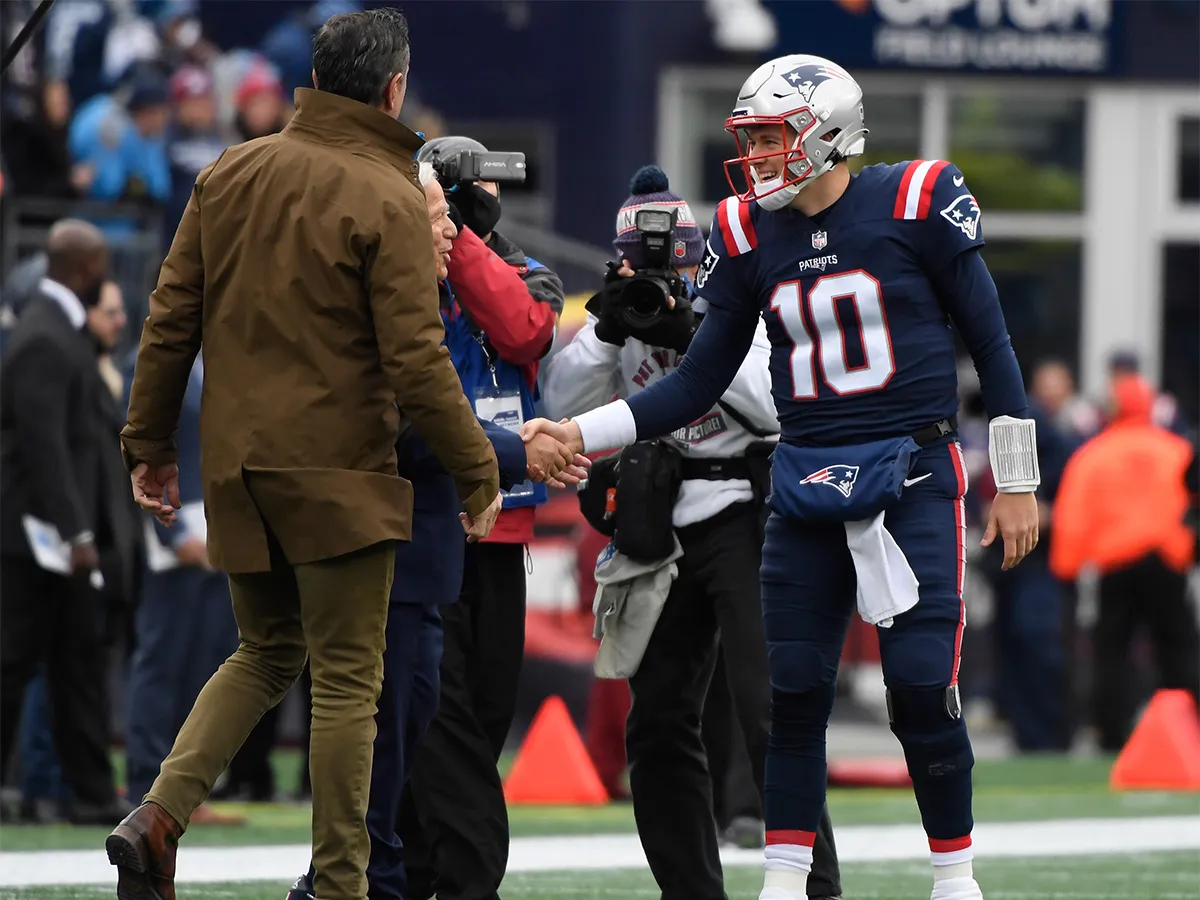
(1121, 508)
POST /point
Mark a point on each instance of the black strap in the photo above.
(724, 469)
(936, 431)
(745, 422)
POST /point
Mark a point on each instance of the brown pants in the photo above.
(334, 611)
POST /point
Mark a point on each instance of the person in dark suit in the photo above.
(56, 442)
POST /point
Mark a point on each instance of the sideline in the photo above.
(856, 843)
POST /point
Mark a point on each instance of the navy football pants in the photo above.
(809, 594)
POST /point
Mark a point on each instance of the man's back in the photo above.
(318, 315)
(293, 374)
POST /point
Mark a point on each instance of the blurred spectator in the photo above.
(1031, 623)
(288, 44)
(1121, 509)
(33, 119)
(193, 139)
(75, 41)
(124, 146)
(1053, 389)
(42, 788)
(58, 440)
(180, 31)
(260, 104)
(1165, 411)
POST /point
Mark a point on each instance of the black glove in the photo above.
(673, 330)
(455, 217)
(611, 327)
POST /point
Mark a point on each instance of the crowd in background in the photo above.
(122, 102)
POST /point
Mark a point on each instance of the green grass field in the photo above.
(1026, 789)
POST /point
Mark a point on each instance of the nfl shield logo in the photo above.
(819, 240)
(680, 249)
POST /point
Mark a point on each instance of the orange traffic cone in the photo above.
(1163, 753)
(553, 766)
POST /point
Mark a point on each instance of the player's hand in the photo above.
(564, 431)
(151, 485)
(480, 526)
(1015, 518)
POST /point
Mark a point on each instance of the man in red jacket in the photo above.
(500, 309)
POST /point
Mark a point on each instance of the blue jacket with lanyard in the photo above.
(494, 387)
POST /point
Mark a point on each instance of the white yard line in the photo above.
(856, 843)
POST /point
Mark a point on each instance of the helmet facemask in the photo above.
(807, 155)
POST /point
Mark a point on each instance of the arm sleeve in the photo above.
(510, 453)
(408, 326)
(951, 235)
(968, 293)
(709, 367)
(170, 341)
(582, 375)
(519, 324)
(40, 408)
(750, 392)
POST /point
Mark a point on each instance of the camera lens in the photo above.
(643, 300)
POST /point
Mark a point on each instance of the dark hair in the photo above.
(356, 54)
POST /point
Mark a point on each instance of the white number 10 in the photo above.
(830, 350)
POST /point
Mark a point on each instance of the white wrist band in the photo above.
(609, 427)
(1012, 449)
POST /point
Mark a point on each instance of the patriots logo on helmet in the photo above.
(963, 213)
(805, 79)
(840, 477)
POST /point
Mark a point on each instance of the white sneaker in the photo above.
(956, 889)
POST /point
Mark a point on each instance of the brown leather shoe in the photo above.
(143, 849)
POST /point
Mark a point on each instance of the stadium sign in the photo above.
(1000, 36)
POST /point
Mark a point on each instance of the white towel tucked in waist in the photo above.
(887, 586)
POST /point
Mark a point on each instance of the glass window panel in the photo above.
(1039, 283)
(1181, 327)
(894, 122)
(1019, 152)
(1188, 164)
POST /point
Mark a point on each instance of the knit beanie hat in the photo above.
(650, 185)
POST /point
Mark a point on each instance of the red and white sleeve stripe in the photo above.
(916, 188)
(737, 230)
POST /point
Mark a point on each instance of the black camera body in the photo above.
(641, 301)
(469, 166)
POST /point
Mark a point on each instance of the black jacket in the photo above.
(57, 434)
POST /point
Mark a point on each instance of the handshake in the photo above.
(551, 457)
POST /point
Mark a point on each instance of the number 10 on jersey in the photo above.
(829, 349)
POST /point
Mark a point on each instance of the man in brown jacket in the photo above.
(304, 265)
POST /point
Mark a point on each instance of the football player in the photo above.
(862, 280)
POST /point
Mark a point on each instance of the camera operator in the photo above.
(500, 309)
(703, 512)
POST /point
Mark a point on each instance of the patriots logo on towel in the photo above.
(840, 477)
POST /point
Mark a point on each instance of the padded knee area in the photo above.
(801, 666)
(935, 744)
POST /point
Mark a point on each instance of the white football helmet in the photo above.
(819, 101)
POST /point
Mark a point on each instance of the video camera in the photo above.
(641, 300)
(472, 165)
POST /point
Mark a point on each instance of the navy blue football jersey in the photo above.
(862, 347)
